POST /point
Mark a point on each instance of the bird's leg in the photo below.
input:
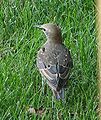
(63, 94)
(53, 107)
(43, 85)
(52, 102)
(63, 97)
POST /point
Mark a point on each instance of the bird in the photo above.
(54, 60)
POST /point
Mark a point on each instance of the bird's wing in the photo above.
(56, 74)
(49, 72)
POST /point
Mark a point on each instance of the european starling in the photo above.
(54, 60)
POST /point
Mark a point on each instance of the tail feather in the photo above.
(59, 95)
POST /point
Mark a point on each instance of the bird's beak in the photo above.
(38, 26)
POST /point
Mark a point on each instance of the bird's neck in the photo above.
(55, 40)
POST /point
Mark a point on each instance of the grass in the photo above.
(20, 81)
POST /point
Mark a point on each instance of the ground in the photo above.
(20, 81)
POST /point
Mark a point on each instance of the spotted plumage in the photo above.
(54, 60)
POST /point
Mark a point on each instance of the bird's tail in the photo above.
(59, 95)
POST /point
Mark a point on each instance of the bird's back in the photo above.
(54, 62)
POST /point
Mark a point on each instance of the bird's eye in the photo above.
(44, 29)
(48, 65)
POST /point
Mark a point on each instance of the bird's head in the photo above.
(52, 32)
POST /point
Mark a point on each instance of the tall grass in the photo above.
(20, 81)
